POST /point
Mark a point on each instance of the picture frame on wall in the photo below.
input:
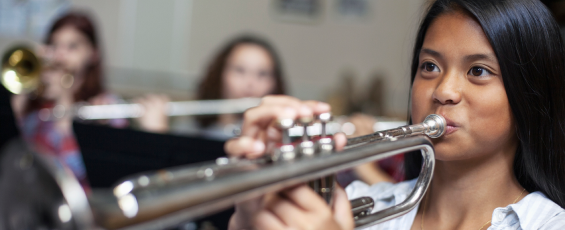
(298, 11)
(352, 10)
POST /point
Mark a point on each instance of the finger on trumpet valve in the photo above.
(306, 147)
(286, 150)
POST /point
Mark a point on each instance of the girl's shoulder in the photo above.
(535, 211)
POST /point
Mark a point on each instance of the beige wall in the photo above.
(315, 55)
(164, 46)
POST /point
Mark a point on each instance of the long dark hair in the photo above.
(529, 49)
(212, 84)
(93, 80)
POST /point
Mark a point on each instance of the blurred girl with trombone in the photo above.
(73, 74)
(494, 70)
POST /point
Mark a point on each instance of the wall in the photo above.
(316, 55)
(164, 46)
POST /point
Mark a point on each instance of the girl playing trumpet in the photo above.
(495, 71)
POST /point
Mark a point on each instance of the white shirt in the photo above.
(535, 211)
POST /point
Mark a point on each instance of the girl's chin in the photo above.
(447, 151)
(448, 154)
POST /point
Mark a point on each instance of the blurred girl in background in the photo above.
(246, 67)
(73, 73)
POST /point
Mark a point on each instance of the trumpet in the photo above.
(167, 197)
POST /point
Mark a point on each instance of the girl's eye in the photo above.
(237, 69)
(73, 46)
(430, 67)
(478, 72)
(264, 73)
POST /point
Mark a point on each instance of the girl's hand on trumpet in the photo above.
(294, 208)
(259, 131)
(301, 208)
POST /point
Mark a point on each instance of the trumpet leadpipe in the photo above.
(433, 127)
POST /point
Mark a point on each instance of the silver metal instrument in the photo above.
(177, 108)
(164, 198)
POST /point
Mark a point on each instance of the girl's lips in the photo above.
(450, 126)
(450, 129)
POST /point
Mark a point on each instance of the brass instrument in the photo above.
(165, 198)
(20, 70)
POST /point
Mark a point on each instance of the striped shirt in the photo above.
(535, 211)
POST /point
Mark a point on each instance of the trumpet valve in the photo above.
(325, 144)
(286, 150)
(324, 118)
(306, 146)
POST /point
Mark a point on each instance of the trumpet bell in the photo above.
(20, 70)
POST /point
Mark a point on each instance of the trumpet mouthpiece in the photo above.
(435, 125)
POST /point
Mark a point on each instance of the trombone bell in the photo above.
(20, 70)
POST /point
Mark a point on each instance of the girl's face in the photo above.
(69, 53)
(459, 78)
(71, 49)
(248, 72)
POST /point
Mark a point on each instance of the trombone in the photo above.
(21, 71)
(132, 110)
(167, 197)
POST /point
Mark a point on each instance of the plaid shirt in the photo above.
(49, 140)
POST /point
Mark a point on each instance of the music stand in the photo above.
(110, 154)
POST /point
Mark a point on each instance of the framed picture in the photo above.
(297, 11)
(352, 10)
